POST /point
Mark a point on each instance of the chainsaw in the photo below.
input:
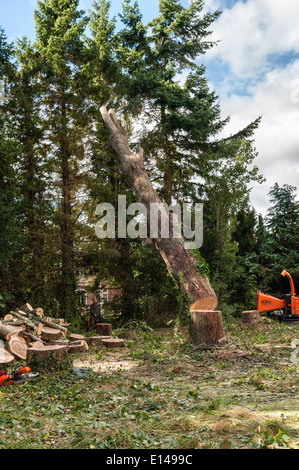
(17, 376)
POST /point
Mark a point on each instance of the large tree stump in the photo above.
(104, 329)
(113, 343)
(250, 316)
(42, 353)
(207, 328)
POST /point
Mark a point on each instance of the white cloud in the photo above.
(254, 34)
(277, 138)
(250, 32)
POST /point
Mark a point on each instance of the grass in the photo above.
(172, 396)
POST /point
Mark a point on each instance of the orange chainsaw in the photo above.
(17, 376)
(286, 309)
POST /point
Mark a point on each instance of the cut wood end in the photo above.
(207, 303)
(5, 356)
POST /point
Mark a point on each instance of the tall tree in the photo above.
(61, 48)
(181, 116)
(280, 249)
(24, 106)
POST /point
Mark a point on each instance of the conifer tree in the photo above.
(61, 49)
(183, 114)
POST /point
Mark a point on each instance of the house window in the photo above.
(103, 296)
(82, 297)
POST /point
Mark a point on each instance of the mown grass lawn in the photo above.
(159, 392)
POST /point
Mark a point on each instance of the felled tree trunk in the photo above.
(178, 259)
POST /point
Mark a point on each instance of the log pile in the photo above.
(28, 331)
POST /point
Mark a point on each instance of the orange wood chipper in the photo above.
(284, 310)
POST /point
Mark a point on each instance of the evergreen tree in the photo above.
(280, 249)
(61, 49)
(183, 115)
(11, 239)
(24, 106)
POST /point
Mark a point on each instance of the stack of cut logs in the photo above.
(28, 334)
(27, 330)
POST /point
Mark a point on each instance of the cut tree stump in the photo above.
(113, 343)
(130, 334)
(96, 341)
(250, 316)
(104, 329)
(42, 353)
(77, 347)
(50, 334)
(17, 346)
(207, 329)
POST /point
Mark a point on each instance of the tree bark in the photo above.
(6, 331)
(250, 316)
(42, 353)
(207, 328)
(104, 329)
(114, 343)
(50, 334)
(77, 347)
(178, 259)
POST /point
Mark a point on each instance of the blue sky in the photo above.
(254, 71)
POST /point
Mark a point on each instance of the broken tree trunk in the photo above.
(178, 258)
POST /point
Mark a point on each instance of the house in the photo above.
(104, 293)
